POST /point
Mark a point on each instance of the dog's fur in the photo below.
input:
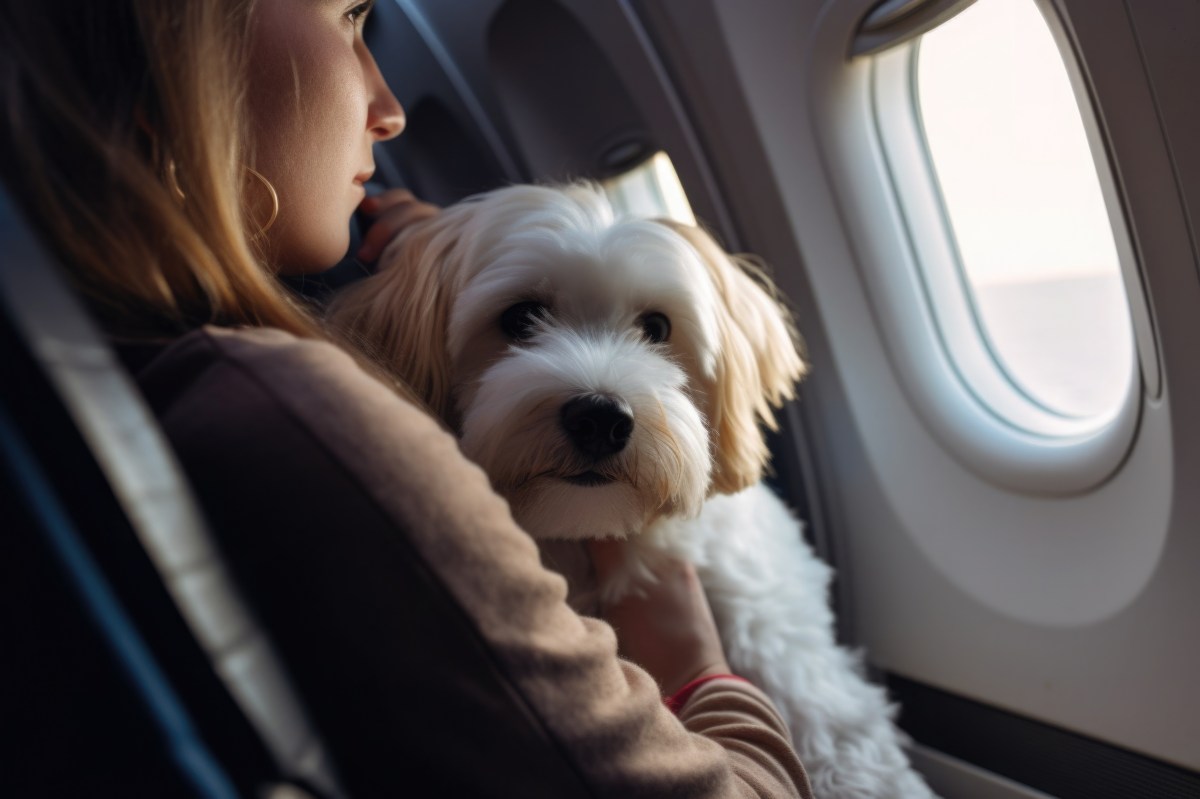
(687, 482)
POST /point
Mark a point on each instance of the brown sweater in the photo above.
(436, 655)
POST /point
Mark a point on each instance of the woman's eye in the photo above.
(359, 13)
(519, 320)
(656, 326)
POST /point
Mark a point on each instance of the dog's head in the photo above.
(603, 372)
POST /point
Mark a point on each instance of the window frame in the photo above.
(945, 576)
(939, 347)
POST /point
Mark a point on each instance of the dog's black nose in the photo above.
(597, 425)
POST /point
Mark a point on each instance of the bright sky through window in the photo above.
(651, 189)
(1021, 190)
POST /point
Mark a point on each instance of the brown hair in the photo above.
(124, 139)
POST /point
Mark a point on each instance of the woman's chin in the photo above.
(309, 255)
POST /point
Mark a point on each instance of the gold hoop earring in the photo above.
(173, 180)
(274, 199)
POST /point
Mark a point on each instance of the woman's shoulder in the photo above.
(246, 370)
(256, 404)
(227, 392)
(271, 359)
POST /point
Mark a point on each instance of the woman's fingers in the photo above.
(389, 224)
(607, 556)
(394, 210)
(377, 203)
(668, 628)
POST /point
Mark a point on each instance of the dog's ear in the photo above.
(401, 314)
(757, 367)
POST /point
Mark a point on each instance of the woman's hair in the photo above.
(125, 140)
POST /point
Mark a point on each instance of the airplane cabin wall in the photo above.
(1074, 609)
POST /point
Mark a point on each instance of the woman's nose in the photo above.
(385, 115)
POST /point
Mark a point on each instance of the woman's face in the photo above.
(317, 104)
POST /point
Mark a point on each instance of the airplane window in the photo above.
(1018, 184)
(650, 189)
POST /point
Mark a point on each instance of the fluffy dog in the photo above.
(611, 377)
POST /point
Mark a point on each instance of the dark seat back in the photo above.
(136, 667)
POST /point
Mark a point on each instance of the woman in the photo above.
(178, 155)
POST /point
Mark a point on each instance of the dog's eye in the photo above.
(517, 322)
(656, 327)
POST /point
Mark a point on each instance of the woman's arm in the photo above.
(431, 647)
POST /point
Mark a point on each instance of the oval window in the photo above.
(1023, 200)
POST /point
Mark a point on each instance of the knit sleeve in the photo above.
(740, 718)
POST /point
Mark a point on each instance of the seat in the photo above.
(136, 663)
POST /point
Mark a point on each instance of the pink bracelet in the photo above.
(677, 700)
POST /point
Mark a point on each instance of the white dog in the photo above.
(611, 376)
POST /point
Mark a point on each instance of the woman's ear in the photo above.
(757, 366)
(401, 314)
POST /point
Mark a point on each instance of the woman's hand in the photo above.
(394, 210)
(669, 631)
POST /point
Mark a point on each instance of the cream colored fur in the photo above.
(688, 481)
